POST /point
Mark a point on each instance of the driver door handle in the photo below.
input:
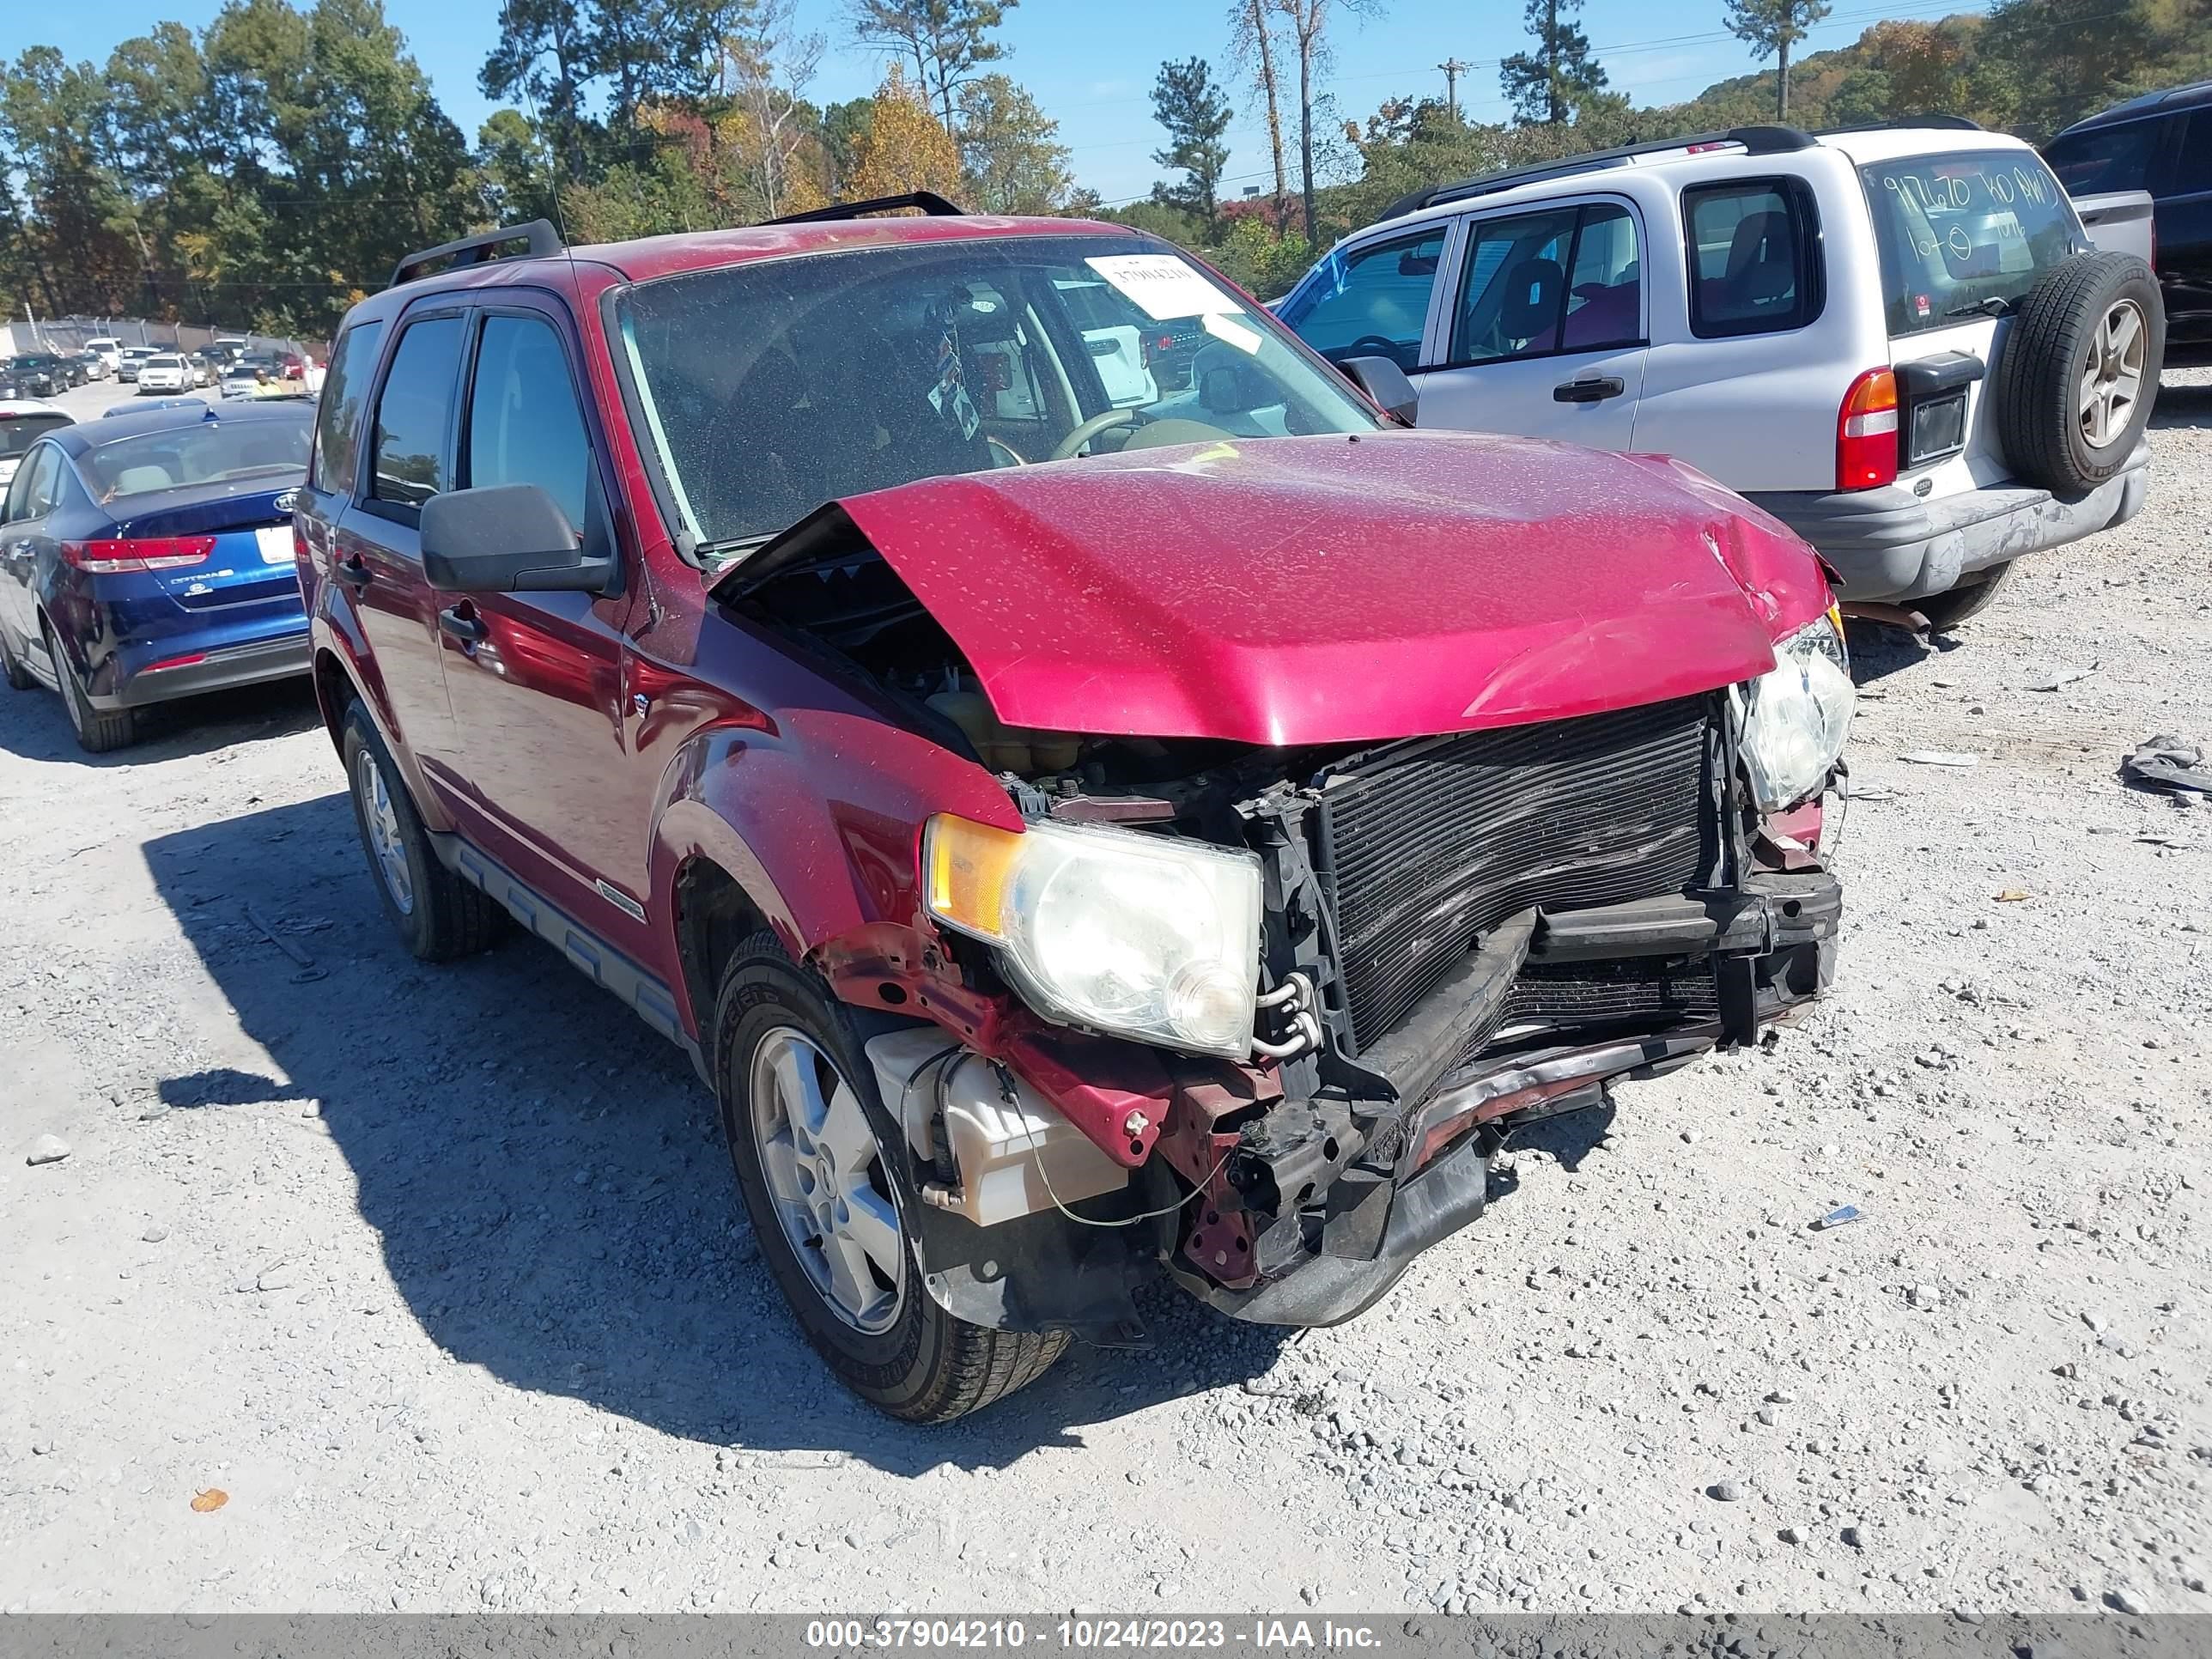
(352, 571)
(1589, 389)
(462, 624)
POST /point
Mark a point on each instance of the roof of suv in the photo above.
(1687, 160)
(649, 256)
(2192, 97)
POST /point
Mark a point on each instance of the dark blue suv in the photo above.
(149, 558)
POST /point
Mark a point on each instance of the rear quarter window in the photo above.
(1754, 250)
(1957, 231)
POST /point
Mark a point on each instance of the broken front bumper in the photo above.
(1425, 1171)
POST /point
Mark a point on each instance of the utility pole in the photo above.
(1453, 70)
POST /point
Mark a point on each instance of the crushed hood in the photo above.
(1322, 590)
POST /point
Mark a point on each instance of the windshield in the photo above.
(19, 432)
(246, 451)
(770, 388)
(1960, 230)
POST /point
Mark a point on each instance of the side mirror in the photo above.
(1386, 383)
(505, 539)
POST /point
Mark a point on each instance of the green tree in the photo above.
(1010, 157)
(843, 127)
(1771, 27)
(543, 56)
(1190, 104)
(947, 42)
(520, 177)
(1549, 83)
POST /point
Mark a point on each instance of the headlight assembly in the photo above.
(1148, 936)
(1793, 721)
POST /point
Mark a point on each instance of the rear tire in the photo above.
(899, 1350)
(99, 732)
(2079, 371)
(438, 916)
(1945, 611)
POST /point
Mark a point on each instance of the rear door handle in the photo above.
(352, 571)
(464, 625)
(1590, 389)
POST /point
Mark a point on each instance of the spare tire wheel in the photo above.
(2079, 371)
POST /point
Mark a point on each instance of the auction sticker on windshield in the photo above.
(1164, 285)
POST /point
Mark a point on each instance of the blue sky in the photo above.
(1091, 65)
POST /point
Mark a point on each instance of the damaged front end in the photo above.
(1448, 937)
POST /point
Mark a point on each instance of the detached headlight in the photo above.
(1145, 935)
(1794, 719)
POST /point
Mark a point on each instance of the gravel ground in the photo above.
(438, 1273)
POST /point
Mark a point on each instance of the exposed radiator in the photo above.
(1424, 845)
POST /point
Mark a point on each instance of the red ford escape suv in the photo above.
(1078, 826)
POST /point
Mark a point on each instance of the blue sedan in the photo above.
(149, 556)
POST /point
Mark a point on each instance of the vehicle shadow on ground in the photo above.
(547, 1176)
(2187, 405)
(34, 726)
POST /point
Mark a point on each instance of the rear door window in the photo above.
(33, 491)
(1958, 231)
(1752, 257)
(1373, 300)
(2107, 158)
(2190, 174)
(414, 414)
(345, 394)
(524, 424)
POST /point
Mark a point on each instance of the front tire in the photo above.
(825, 1175)
(99, 732)
(438, 916)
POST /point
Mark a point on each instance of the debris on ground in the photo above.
(2063, 678)
(1842, 1216)
(46, 1149)
(1941, 757)
(308, 972)
(2167, 762)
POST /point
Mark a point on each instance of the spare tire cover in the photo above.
(2078, 371)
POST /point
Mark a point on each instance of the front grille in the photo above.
(1424, 846)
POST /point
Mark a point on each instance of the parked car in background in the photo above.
(291, 365)
(149, 558)
(34, 374)
(208, 367)
(166, 372)
(2160, 143)
(1194, 854)
(91, 365)
(109, 350)
(127, 368)
(1895, 340)
(248, 375)
(23, 422)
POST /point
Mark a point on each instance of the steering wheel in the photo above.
(1013, 456)
(1372, 345)
(1066, 448)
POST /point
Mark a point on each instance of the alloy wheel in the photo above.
(826, 1179)
(386, 844)
(2112, 379)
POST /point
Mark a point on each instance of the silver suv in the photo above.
(1898, 341)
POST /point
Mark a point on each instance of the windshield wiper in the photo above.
(714, 555)
(1996, 306)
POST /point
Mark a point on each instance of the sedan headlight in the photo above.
(1149, 936)
(1794, 719)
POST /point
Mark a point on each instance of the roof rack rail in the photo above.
(1947, 123)
(1756, 140)
(931, 204)
(540, 234)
